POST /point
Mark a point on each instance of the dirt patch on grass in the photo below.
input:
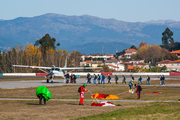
(54, 109)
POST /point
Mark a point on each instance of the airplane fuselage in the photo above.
(57, 72)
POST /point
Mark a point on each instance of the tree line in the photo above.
(42, 53)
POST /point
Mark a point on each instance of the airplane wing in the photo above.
(39, 67)
(68, 68)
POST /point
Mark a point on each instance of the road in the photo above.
(80, 81)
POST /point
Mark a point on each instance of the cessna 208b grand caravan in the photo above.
(56, 71)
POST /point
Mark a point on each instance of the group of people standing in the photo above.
(99, 78)
(72, 78)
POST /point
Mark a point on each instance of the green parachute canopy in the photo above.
(43, 91)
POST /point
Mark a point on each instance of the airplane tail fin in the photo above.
(65, 66)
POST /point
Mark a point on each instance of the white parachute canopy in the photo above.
(106, 103)
(103, 103)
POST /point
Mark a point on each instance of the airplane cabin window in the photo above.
(56, 69)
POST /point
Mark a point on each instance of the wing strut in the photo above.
(43, 70)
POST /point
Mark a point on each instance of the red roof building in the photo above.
(129, 52)
(171, 65)
(177, 53)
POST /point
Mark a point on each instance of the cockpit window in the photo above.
(56, 69)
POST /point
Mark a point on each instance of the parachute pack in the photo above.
(139, 88)
(43, 91)
(79, 89)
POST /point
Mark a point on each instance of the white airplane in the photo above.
(56, 71)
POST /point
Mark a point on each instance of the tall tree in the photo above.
(142, 43)
(75, 58)
(133, 47)
(167, 38)
(47, 42)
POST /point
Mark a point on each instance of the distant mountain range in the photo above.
(86, 34)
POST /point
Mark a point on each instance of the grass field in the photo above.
(55, 110)
(71, 110)
(152, 111)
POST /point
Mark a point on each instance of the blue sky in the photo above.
(125, 10)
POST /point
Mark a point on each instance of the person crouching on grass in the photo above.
(82, 90)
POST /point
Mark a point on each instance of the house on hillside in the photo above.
(171, 65)
(96, 63)
(129, 53)
(139, 63)
(105, 57)
(136, 61)
(112, 61)
(119, 66)
(91, 63)
(177, 53)
(85, 63)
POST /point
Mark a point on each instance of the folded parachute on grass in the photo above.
(43, 91)
(103, 103)
(104, 96)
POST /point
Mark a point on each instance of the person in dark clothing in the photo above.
(98, 78)
(132, 78)
(138, 90)
(40, 100)
(74, 78)
(67, 78)
(160, 78)
(89, 78)
(103, 79)
(140, 80)
(109, 79)
(163, 78)
(116, 79)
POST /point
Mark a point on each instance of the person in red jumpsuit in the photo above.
(82, 90)
(138, 91)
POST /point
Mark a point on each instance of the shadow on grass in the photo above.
(73, 103)
(32, 103)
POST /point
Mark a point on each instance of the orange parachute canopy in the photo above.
(104, 96)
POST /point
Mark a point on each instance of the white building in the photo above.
(136, 61)
(117, 67)
(97, 56)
